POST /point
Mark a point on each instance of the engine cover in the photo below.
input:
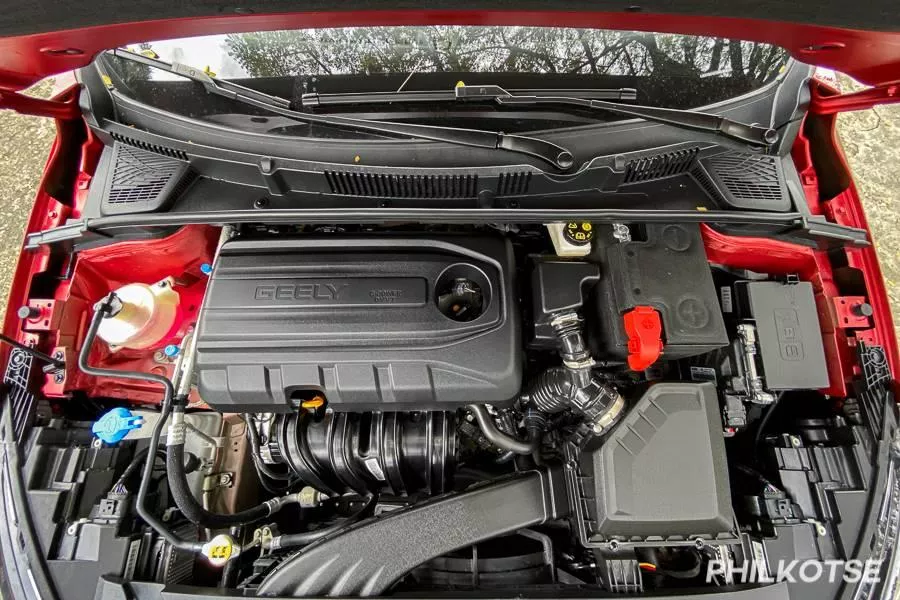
(374, 323)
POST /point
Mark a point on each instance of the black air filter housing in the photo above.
(628, 487)
(374, 323)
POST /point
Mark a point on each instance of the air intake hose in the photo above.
(574, 386)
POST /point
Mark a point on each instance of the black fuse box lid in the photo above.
(788, 331)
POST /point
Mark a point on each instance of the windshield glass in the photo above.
(668, 70)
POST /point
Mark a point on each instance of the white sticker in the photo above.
(131, 559)
(703, 374)
(725, 293)
(375, 469)
(759, 557)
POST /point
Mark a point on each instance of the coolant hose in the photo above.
(184, 498)
(101, 310)
(290, 540)
(497, 437)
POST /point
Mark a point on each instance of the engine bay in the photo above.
(365, 410)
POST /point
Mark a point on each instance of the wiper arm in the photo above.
(549, 152)
(687, 119)
(314, 99)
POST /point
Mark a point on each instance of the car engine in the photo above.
(361, 411)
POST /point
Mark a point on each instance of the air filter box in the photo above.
(661, 476)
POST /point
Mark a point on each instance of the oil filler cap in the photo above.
(644, 330)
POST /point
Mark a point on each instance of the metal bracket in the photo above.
(218, 480)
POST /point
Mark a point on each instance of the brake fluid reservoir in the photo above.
(571, 239)
(148, 312)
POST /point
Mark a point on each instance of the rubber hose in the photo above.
(136, 462)
(552, 389)
(290, 540)
(191, 508)
(497, 437)
(100, 311)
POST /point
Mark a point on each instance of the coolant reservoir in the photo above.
(148, 313)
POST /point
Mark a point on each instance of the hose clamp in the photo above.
(610, 417)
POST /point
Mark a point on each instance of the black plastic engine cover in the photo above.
(357, 318)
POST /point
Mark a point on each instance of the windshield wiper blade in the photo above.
(687, 119)
(314, 99)
(549, 152)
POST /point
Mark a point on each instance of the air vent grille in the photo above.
(156, 148)
(16, 378)
(659, 166)
(141, 181)
(513, 184)
(390, 185)
(748, 177)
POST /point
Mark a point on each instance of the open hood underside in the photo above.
(44, 37)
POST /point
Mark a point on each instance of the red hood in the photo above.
(44, 37)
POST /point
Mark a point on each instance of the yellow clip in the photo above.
(702, 208)
(107, 81)
(460, 84)
(149, 53)
(209, 71)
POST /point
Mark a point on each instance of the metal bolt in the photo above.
(28, 312)
(261, 203)
(72, 530)
(795, 441)
(863, 309)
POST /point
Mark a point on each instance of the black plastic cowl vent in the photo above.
(391, 185)
(513, 184)
(744, 180)
(659, 166)
(142, 181)
(155, 148)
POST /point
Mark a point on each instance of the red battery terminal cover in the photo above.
(644, 330)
